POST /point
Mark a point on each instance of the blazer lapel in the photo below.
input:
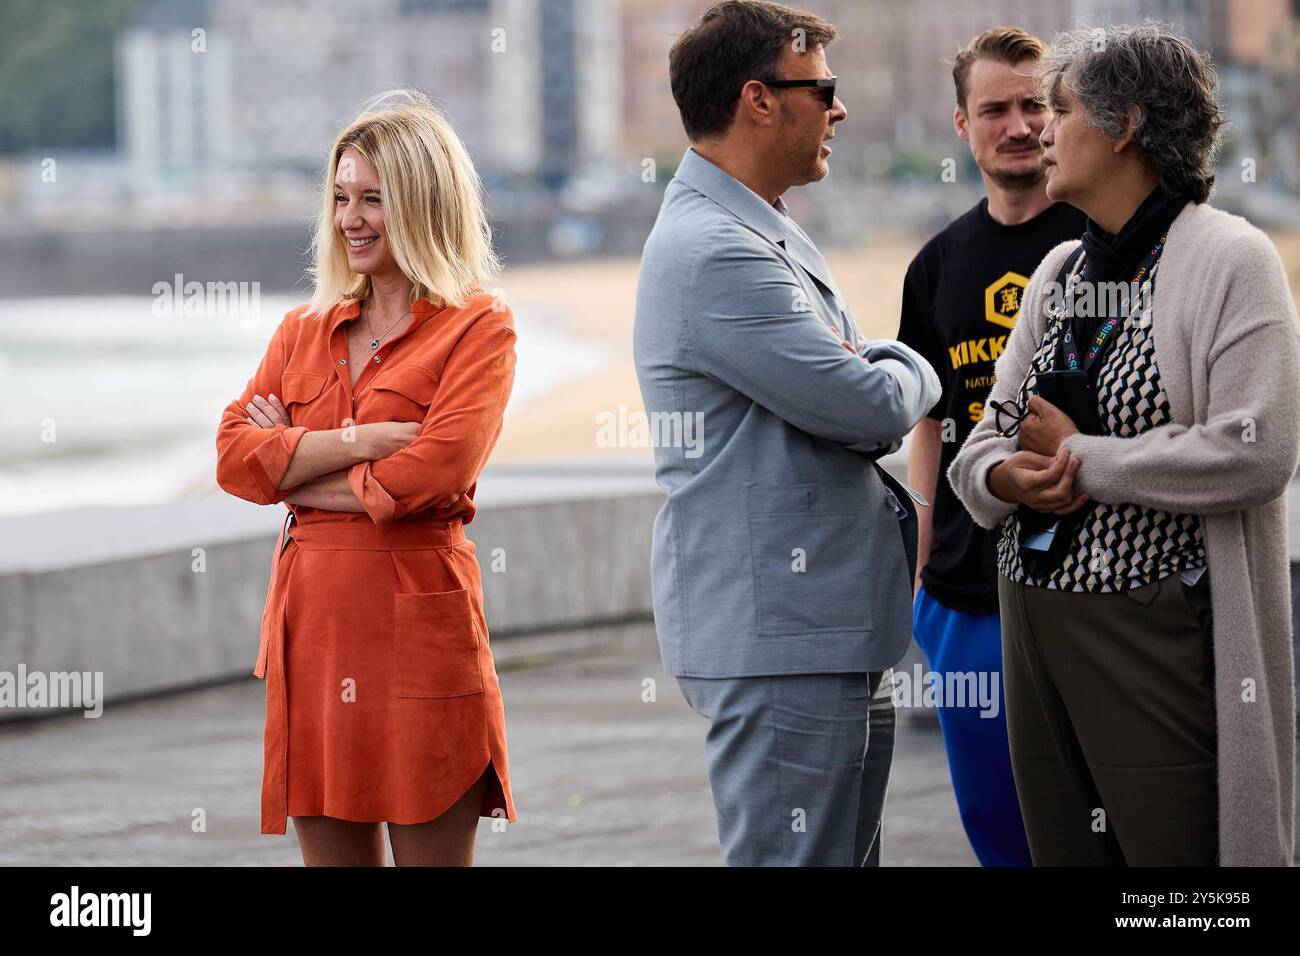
(771, 222)
(805, 253)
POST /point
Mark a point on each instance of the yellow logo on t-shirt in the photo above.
(1002, 299)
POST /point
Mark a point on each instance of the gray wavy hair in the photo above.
(1112, 69)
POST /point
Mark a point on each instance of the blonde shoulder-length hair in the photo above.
(437, 227)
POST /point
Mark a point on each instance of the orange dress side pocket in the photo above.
(435, 645)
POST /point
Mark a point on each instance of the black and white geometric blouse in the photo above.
(1116, 547)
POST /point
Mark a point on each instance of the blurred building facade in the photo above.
(238, 100)
(233, 91)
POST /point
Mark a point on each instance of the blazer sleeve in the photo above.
(1245, 452)
(251, 460)
(750, 326)
(444, 461)
(984, 448)
(915, 366)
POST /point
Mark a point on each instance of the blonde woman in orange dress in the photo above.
(371, 415)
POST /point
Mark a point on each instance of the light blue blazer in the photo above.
(778, 550)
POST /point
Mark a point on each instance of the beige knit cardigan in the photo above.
(1227, 345)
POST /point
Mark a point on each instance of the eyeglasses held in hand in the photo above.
(1007, 416)
(827, 87)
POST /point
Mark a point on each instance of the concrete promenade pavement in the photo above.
(599, 776)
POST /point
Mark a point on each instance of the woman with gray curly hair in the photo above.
(1136, 451)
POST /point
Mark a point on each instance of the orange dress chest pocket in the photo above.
(300, 392)
(436, 649)
(404, 393)
(300, 388)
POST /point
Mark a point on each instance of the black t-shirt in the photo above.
(961, 298)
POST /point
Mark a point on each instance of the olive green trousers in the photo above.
(1111, 722)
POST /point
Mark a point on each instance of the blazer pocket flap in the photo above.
(435, 645)
(805, 497)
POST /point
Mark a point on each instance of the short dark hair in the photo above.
(735, 41)
(1009, 45)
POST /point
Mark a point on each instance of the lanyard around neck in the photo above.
(1106, 332)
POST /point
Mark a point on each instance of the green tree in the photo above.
(56, 72)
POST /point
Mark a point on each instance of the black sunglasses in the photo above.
(827, 87)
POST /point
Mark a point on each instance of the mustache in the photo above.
(1018, 145)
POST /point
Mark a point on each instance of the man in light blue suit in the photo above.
(782, 577)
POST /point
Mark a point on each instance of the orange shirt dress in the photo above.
(382, 700)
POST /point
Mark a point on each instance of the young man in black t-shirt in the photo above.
(961, 298)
